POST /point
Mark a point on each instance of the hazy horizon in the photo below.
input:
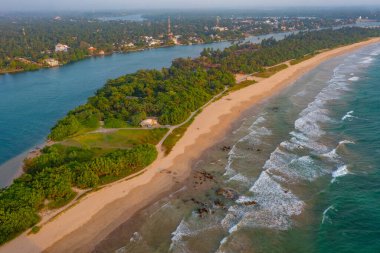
(96, 5)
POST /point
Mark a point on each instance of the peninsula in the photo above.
(102, 164)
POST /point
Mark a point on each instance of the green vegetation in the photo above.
(27, 41)
(35, 230)
(303, 58)
(115, 123)
(174, 137)
(124, 138)
(251, 58)
(241, 85)
(49, 179)
(271, 71)
(170, 94)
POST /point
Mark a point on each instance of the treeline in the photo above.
(49, 179)
(249, 58)
(34, 38)
(170, 95)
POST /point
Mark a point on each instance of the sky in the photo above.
(43, 5)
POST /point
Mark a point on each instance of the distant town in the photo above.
(34, 43)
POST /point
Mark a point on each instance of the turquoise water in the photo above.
(352, 223)
(303, 172)
(30, 103)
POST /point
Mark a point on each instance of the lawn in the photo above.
(124, 138)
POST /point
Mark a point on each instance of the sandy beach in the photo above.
(80, 227)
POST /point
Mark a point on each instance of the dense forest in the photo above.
(49, 179)
(249, 58)
(169, 94)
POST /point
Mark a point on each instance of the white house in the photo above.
(149, 122)
(61, 47)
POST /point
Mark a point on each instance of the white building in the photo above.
(149, 122)
(61, 47)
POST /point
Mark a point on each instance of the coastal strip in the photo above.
(80, 227)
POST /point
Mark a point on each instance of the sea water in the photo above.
(298, 173)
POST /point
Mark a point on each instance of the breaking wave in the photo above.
(340, 172)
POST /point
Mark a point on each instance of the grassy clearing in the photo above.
(124, 138)
(271, 71)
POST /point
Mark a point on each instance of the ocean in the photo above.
(299, 172)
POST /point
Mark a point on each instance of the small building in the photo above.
(61, 47)
(51, 62)
(101, 52)
(91, 49)
(149, 122)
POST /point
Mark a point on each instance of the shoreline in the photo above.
(84, 224)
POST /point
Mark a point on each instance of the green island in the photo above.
(103, 141)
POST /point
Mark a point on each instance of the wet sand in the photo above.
(82, 226)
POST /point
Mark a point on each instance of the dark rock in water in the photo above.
(226, 148)
(249, 203)
(227, 193)
(275, 109)
(219, 203)
(258, 150)
(202, 212)
(203, 176)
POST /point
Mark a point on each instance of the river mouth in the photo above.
(267, 185)
(32, 102)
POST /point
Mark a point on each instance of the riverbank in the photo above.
(132, 50)
(85, 222)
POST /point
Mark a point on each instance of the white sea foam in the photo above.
(346, 142)
(271, 197)
(135, 237)
(366, 60)
(354, 78)
(279, 159)
(229, 171)
(259, 120)
(240, 178)
(340, 172)
(348, 115)
(325, 214)
(252, 138)
(255, 134)
(333, 155)
(302, 168)
(300, 140)
(191, 227)
(273, 209)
